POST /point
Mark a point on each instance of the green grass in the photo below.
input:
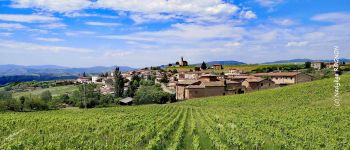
(55, 91)
(294, 117)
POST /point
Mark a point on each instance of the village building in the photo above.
(233, 72)
(84, 80)
(182, 63)
(233, 87)
(96, 79)
(286, 78)
(318, 65)
(254, 84)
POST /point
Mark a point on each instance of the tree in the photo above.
(4, 95)
(204, 66)
(84, 74)
(175, 71)
(307, 65)
(46, 96)
(106, 100)
(164, 78)
(151, 94)
(118, 83)
(66, 99)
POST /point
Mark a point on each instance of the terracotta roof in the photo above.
(231, 82)
(213, 84)
(187, 82)
(278, 74)
(217, 65)
(255, 80)
(244, 77)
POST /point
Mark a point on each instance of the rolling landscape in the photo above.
(284, 118)
(174, 75)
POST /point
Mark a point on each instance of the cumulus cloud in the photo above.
(248, 14)
(62, 6)
(107, 24)
(27, 18)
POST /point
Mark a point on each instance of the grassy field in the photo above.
(294, 117)
(55, 91)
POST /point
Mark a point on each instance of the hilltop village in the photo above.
(207, 80)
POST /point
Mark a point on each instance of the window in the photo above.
(261, 84)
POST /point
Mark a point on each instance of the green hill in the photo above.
(294, 117)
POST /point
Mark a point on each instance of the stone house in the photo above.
(233, 87)
(317, 65)
(254, 84)
(286, 78)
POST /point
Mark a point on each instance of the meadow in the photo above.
(295, 117)
(55, 91)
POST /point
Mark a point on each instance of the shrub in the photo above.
(46, 96)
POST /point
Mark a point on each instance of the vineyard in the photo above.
(294, 117)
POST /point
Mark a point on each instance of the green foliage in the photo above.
(307, 65)
(204, 66)
(164, 78)
(151, 94)
(5, 95)
(134, 85)
(46, 96)
(279, 67)
(118, 83)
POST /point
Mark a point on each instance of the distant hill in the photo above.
(11, 70)
(17, 73)
(303, 60)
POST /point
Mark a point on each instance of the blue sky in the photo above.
(138, 33)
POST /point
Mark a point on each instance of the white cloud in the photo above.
(337, 17)
(62, 6)
(56, 25)
(79, 33)
(49, 39)
(284, 22)
(159, 10)
(248, 14)
(107, 24)
(296, 44)
(11, 26)
(269, 3)
(27, 18)
(142, 18)
(14, 45)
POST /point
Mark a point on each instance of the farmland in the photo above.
(54, 90)
(294, 117)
